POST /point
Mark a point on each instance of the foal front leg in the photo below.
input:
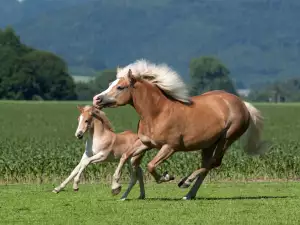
(99, 157)
(164, 153)
(71, 176)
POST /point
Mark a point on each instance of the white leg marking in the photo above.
(99, 157)
(71, 176)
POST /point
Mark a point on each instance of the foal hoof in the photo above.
(116, 191)
(76, 189)
(55, 191)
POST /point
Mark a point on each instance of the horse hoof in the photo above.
(181, 183)
(141, 197)
(167, 177)
(116, 191)
(185, 185)
(122, 199)
(188, 198)
(76, 189)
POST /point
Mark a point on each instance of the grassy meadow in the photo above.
(38, 145)
(219, 203)
(39, 149)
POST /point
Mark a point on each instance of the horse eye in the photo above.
(120, 88)
(86, 121)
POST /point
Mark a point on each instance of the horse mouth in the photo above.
(107, 105)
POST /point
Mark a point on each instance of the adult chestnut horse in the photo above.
(172, 121)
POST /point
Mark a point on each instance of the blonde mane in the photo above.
(102, 116)
(159, 74)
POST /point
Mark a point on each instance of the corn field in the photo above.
(37, 144)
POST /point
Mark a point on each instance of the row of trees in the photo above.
(279, 91)
(30, 74)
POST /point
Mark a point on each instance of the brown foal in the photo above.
(104, 145)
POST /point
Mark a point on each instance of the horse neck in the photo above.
(148, 100)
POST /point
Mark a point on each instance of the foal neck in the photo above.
(100, 129)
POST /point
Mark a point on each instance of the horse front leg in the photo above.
(164, 153)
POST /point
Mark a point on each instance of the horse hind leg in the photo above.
(210, 158)
(205, 165)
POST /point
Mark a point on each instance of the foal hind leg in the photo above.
(136, 161)
(132, 182)
(136, 173)
(116, 186)
(164, 153)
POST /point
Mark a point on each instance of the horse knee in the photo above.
(150, 167)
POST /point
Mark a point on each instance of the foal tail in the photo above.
(251, 139)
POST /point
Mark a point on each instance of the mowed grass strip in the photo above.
(217, 203)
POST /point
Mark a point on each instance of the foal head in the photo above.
(86, 120)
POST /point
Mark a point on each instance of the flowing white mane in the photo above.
(159, 74)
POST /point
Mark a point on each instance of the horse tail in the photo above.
(251, 139)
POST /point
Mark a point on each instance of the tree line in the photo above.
(31, 74)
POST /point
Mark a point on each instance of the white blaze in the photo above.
(79, 122)
(110, 87)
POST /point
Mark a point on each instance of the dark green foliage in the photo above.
(258, 40)
(86, 91)
(26, 73)
(208, 73)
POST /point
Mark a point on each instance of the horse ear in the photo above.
(118, 69)
(131, 78)
(80, 108)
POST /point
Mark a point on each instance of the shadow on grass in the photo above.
(217, 198)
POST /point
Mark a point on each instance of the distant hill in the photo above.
(258, 40)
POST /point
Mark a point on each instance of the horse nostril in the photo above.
(99, 98)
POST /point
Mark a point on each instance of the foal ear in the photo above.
(131, 78)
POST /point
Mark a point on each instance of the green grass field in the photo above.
(218, 203)
(38, 148)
